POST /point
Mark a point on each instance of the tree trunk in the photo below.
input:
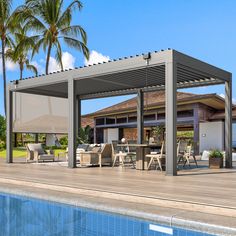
(48, 57)
(21, 74)
(4, 74)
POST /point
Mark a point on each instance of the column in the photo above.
(95, 132)
(140, 117)
(9, 116)
(171, 115)
(72, 124)
(36, 138)
(78, 115)
(228, 124)
(196, 129)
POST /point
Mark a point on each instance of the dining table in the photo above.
(141, 151)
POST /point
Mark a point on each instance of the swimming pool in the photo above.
(21, 216)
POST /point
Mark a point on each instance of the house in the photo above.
(203, 114)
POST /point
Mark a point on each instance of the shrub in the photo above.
(2, 128)
(64, 141)
(2, 145)
(215, 153)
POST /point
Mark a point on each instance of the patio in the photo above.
(200, 194)
(164, 70)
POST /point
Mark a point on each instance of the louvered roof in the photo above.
(125, 76)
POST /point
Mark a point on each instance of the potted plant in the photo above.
(216, 159)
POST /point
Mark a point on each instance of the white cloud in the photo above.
(39, 67)
(68, 61)
(10, 66)
(223, 96)
(96, 57)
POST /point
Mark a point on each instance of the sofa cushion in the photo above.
(83, 146)
(36, 147)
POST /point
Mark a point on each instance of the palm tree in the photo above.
(18, 54)
(7, 25)
(53, 25)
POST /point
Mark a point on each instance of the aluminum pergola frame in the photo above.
(165, 70)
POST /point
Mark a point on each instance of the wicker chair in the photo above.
(35, 152)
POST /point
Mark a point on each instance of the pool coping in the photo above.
(171, 221)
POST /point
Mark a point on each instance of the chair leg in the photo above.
(150, 163)
(132, 162)
(122, 161)
(114, 162)
(159, 163)
(195, 161)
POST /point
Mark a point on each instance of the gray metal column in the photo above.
(171, 118)
(9, 116)
(72, 125)
(140, 116)
(94, 132)
(196, 129)
(78, 115)
(228, 124)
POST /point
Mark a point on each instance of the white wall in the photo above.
(211, 135)
(234, 135)
(110, 135)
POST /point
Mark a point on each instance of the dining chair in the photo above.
(156, 157)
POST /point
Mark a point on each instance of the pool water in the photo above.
(21, 216)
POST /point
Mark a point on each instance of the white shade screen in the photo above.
(39, 114)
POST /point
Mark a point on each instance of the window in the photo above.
(100, 121)
(121, 120)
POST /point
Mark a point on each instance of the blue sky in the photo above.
(205, 29)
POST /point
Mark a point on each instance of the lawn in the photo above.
(17, 152)
(21, 152)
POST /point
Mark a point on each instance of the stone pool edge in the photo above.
(172, 221)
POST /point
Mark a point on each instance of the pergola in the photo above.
(166, 70)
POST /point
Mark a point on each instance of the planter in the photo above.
(215, 162)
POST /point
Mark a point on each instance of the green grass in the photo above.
(21, 152)
(17, 152)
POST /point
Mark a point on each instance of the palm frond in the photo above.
(32, 68)
(75, 31)
(58, 55)
(66, 17)
(78, 45)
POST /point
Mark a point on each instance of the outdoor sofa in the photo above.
(93, 154)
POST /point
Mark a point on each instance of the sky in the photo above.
(205, 29)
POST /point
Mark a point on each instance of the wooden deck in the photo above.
(200, 190)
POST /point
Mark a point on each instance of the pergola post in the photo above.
(171, 115)
(140, 116)
(95, 132)
(196, 129)
(228, 124)
(72, 124)
(9, 117)
(78, 115)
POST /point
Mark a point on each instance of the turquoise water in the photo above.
(21, 216)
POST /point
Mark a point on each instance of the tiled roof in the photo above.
(151, 99)
(87, 121)
(220, 115)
